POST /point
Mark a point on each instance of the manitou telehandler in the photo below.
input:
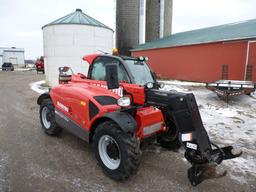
(119, 107)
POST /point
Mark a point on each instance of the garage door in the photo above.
(13, 60)
(1, 61)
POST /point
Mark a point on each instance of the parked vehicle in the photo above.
(119, 108)
(7, 67)
(40, 65)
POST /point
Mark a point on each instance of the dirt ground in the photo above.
(33, 161)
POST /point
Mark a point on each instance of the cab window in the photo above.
(122, 74)
(98, 71)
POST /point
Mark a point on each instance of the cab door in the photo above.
(97, 72)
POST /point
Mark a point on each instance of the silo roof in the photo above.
(78, 17)
(227, 32)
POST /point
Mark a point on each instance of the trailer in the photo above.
(230, 88)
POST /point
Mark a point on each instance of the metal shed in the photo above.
(13, 55)
(220, 52)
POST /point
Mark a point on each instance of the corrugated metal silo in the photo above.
(158, 19)
(69, 38)
(127, 25)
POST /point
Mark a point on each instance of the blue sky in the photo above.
(21, 20)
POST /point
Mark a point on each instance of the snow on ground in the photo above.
(182, 83)
(37, 87)
(24, 69)
(227, 124)
(253, 94)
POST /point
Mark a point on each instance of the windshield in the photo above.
(140, 71)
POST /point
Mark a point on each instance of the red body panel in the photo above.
(75, 97)
(90, 58)
(137, 91)
(146, 117)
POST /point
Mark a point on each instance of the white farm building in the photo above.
(68, 39)
(12, 55)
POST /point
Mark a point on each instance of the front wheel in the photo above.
(117, 152)
(47, 118)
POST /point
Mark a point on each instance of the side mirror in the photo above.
(65, 74)
(112, 76)
(64, 69)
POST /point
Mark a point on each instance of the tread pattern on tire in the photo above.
(131, 146)
(54, 130)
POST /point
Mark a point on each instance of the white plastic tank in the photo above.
(69, 38)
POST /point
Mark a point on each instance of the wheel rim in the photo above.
(109, 152)
(46, 117)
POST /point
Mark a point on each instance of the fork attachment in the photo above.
(200, 151)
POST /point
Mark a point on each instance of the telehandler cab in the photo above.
(119, 107)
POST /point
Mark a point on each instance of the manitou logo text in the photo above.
(118, 91)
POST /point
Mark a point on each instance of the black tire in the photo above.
(128, 150)
(170, 139)
(53, 129)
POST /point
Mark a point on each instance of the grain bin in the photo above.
(68, 39)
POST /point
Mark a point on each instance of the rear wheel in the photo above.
(47, 118)
(170, 139)
(117, 152)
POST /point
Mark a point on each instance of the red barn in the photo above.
(205, 55)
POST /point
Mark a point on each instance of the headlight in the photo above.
(124, 101)
(150, 85)
(141, 58)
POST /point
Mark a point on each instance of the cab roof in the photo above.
(90, 58)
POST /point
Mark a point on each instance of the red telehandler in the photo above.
(119, 107)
